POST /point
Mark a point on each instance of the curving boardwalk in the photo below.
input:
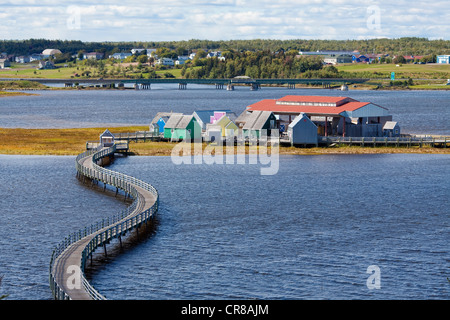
(66, 270)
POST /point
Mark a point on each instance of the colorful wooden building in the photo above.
(223, 128)
(182, 127)
(159, 122)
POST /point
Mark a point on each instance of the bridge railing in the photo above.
(107, 228)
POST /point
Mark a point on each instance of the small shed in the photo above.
(182, 127)
(223, 128)
(213, 133)
(204, 117)
(228, 127)
(259, 123)
(159, 122)
(107, 139)
(302, 131)
(391, 129)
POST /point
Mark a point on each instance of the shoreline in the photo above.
(15, 93)
(71, 142)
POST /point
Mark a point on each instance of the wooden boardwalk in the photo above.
(442, 141)
(67, 279)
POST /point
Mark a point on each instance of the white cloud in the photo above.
(222, 19)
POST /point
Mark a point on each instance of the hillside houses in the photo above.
(93, 55)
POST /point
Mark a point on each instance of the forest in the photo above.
(259, 64)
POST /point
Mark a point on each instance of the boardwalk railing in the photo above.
(108, 228)
(139, 135)
(388, 141)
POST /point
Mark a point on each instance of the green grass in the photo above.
(414, 71)
(27, 71)
(21, 85)
(431, 87)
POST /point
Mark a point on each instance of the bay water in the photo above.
(312, 231)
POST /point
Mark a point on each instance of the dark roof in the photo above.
(257, 120)
(178, 121)
(160, 115)
(107, 133)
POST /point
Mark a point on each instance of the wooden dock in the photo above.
(67, 265)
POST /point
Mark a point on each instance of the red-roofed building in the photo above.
(332, 115)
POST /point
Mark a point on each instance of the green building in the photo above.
(182, 127)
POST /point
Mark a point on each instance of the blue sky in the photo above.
(166, 20)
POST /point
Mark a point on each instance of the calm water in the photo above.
(42, 202)
(225, 231)
(421, 112)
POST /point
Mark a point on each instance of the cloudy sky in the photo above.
(161, 20)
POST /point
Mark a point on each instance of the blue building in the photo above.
(443, 59)
(159, 122)
(360, 58)
(302, 131)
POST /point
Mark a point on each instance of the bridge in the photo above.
(69, 258)
(229, 84)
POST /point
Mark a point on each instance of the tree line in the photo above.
(400, 46)
(257, 65)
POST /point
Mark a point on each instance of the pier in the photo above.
(72, 254)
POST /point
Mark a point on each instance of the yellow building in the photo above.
(223, 127)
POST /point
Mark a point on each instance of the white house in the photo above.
(23, 59)
(151, 52)
(36, 57)
(443, 59)
(46, 65)
(4, 63)
(181, 60)
(120, 55)
(134, 51)
(165, 62)
(93, 55)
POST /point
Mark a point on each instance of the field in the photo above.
(71, 142)
(27, 71)
(405, 71)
